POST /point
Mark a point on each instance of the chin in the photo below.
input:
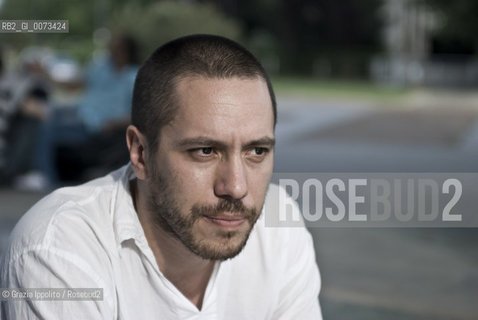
(227, 246)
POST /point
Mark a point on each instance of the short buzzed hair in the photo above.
(154, 101)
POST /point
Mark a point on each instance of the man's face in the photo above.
(208, 179)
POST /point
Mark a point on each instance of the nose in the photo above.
(231, 179)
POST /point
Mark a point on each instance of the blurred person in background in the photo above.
(92, 136)
(24, 106)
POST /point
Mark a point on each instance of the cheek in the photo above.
(192, 185)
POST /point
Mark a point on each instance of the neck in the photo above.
(188, 272)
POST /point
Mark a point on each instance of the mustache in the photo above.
(235, 208)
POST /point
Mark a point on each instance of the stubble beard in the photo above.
(167, 216)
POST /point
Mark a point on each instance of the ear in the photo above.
(137, 146)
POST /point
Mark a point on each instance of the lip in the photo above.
(227, 221)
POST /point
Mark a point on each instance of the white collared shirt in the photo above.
(89, 236)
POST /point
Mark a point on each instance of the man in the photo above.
(178, 233)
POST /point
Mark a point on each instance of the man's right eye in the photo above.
(201, 153)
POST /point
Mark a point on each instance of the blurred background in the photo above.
(362, 86)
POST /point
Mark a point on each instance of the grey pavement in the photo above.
(388, 273)
(374, 273)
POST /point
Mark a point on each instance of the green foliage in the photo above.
(80, 14)
(152, 23)
(160, 22)
(458, 18)
(289, 37)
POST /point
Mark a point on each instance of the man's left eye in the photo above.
(205, 151)
(259, 151)
(202, 154)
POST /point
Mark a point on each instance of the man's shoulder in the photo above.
(65, 240)
(64, 216)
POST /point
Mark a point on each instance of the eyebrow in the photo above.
(265, 141)
(205, 141)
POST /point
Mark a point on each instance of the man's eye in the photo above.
(206, 151)
(201, 153)
(258, 152)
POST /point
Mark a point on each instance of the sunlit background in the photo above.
(362, 86)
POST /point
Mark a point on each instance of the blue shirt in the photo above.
(108, 94)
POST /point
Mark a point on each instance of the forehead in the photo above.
(219, 105)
